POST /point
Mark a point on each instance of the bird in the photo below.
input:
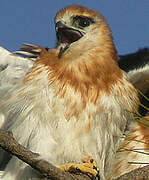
(12, 69)
(74, 103)
(133, 152)
(136, 65)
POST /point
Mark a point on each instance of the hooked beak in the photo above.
(66, 35)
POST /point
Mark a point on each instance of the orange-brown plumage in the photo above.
(75, 97)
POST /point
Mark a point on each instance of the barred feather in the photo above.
(29, 51)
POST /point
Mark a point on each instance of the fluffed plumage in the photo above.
(75, 102)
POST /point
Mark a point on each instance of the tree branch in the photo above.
(47, 170)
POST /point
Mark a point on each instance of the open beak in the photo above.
(66, 35)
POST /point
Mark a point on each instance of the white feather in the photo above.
(30, 113)
(12, 69)
(1, 173)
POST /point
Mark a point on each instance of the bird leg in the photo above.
(88, 167)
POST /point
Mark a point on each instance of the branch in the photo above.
(47, 170)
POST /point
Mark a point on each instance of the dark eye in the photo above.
(83, 22)
(80, 21)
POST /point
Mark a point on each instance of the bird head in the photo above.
(78, 28)
(84, 60)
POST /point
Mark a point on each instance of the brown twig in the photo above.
(47, 170)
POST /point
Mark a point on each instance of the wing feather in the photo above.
(13, 68)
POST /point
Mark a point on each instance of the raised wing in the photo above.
(14, 66)
(12, 69)
(136, 65)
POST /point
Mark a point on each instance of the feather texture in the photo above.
(71, 106)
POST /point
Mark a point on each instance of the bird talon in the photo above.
(89, 168)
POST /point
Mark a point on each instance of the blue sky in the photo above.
(32, 21)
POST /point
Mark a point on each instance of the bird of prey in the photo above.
(137, 67)
(75, 103)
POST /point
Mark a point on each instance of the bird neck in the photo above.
(88, 74)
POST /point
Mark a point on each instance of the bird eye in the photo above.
(80, 21)
(83, 22)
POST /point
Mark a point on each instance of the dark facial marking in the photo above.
(82, 21)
